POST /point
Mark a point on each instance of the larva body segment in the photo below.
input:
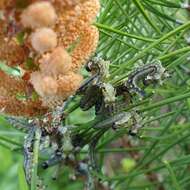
(150, 72)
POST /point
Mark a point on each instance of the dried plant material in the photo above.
(43, 40)
(10, 87)
(12, 52)
(39, 14)
(17, 107)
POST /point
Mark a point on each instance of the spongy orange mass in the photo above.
(42, 32)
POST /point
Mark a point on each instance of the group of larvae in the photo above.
(59, 38)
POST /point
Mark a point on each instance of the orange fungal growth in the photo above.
(74, 27)
(89, 40)
(44, 85)
(55, 38)
(68, 3)
(10, 90)
(5, 3)
(27, 108)
(39, 14)
(57, 63)
(67, 86)
(43, 40)
(12, 52)
(55, 78)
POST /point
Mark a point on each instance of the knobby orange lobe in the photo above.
(36, 37)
